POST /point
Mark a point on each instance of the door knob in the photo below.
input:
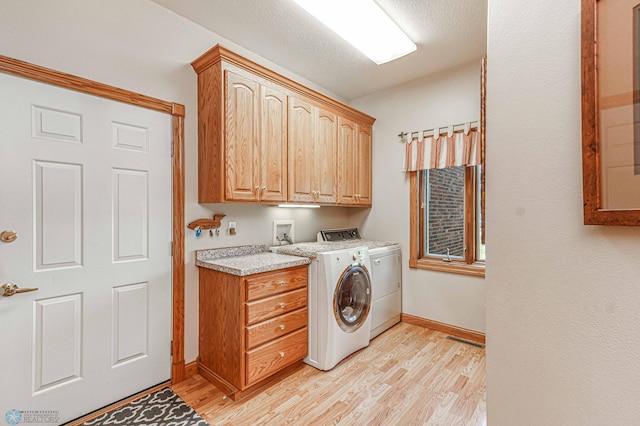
(10, 289)
(8, 236)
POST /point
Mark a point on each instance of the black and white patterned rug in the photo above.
(161, 408)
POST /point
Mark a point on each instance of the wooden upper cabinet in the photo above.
(273, 145)
(301, 147)
(326, 147)
(265, 138)
(346, 161)
(312, 153)
(242, 140)
(364, 164)
(354, 163)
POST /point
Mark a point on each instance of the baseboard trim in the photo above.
(177, 372)
(117, 405)
(227, 388)
(462, 333)
(191, 369)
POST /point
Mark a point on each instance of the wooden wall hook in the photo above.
(207, 223)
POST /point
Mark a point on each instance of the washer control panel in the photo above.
(356, 255)
(339, 234)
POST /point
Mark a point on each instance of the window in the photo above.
(446, 220)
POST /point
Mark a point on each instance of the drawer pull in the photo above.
(281, 283)
(281, 326)
(282, 305)
(281, 354)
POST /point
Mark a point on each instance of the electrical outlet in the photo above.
(232, 228)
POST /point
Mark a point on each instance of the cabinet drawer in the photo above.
(270, 307)
(277, 282)
(276, 327)
(274, 356)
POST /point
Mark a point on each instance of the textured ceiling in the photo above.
(448, 33)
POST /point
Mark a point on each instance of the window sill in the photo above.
(473, 269)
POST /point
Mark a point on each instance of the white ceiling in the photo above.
(448, 33)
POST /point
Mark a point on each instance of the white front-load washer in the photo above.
(339, 306)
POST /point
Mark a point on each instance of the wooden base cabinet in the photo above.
(252, 329)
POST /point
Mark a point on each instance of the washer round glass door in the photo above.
(352, 298)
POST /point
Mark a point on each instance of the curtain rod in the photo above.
(456, 127)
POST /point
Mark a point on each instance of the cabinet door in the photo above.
(347, 152)
(273, 145)
(301, 137)
(325, 171)
(363, 166)
(242, 149)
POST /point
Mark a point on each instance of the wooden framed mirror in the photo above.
(611, 112)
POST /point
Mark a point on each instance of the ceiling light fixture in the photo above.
(364, 25)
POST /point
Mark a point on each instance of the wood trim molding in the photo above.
(459, 332)
(413, 219)
(591, 172)
(236, 394)
(191, 369)
(177, 350)
(456, 267)
(115, 406)
(225, 387)
(79, 84)
(483, 143)
(415, 223)
(218, 53)
(470, 204)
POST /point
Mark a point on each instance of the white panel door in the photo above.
(86, 184)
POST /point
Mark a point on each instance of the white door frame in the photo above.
(67, 81)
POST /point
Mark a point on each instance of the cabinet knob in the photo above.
(282, 305)
(257, 188)
(281, 354)
(281, 283)
(281, 327)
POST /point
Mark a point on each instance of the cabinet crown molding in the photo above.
(218, 54)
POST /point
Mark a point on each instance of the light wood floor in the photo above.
(407, 376)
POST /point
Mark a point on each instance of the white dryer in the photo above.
(386, 275)
(339, 306)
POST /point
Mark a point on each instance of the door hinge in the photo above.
(172, 147)
(171, 249)
(171, 349)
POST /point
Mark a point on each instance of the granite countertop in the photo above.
(246, 260)
(311, 249)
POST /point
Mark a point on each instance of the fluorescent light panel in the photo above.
(364, 25)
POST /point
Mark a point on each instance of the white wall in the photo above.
(448, 98)
(142, 47)
(563, 316)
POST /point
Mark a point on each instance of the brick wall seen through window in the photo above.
(446, 211)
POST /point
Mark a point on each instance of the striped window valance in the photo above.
(438, 151)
